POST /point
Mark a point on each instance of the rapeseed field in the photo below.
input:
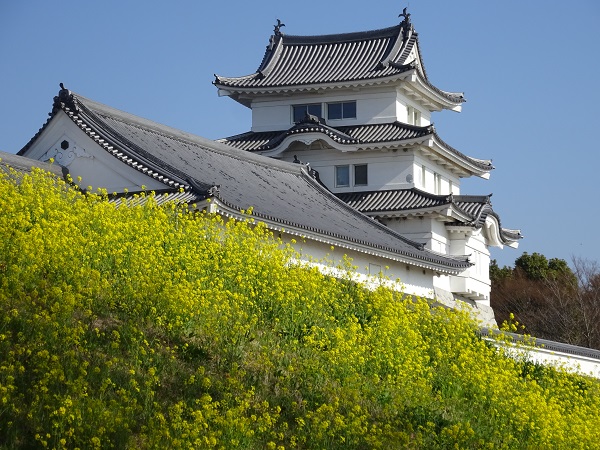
(157, 327)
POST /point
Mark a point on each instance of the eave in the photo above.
(440, 152)
(442, 213)
(220, 206)
(307, 139)
(245, 95)
(411, 82)
(419, 89)
(429, 145)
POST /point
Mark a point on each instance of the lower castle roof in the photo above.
(361, 136)
(473, 210)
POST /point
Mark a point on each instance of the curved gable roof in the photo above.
(337, 58)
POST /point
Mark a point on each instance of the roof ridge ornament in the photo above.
(276, 34)
(277, 28)
(312, 172)
(64, 98)
(406, 16)
(407, 27)
(311, 118)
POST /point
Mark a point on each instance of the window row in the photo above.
(335, 111)
(343, 176)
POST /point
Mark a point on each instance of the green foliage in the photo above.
(155, 327)
(498, 274)
(534, 266)
(537, 267)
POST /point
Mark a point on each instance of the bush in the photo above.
(157, 327)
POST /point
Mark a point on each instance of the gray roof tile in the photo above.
(338, 58)
(160, 197)
(350, 135)
(475, 207)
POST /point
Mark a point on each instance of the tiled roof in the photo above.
(337, 58)
(474, 208)
(160, 197)
(23, 164)
(392, 200)
(358, 135)
(386, 132)
(279, 192)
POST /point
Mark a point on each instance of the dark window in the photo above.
(342, 176)
(334, 111)
(345, 110)
(360, 175)
(301, 110)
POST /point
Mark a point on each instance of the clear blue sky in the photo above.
(529, 69)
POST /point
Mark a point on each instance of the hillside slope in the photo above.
(153, 327)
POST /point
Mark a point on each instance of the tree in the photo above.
(549, 298)
(534, 266)
(498, 274)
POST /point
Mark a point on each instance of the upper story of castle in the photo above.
(356, 78)
(344, 102)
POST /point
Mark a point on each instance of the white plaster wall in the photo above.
(386, 170)
(578, 364)
(431, 167)
(418, 229)
(439, 237)
(375, 105)
(573, 363)
(472, 243)
(424, 230)
(473, 282)
(402, 101)
(389, 169)
(403, 277)
(408, 279)
(476, 279)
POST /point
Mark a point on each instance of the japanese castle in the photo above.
(358, 106)
(382, 187)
